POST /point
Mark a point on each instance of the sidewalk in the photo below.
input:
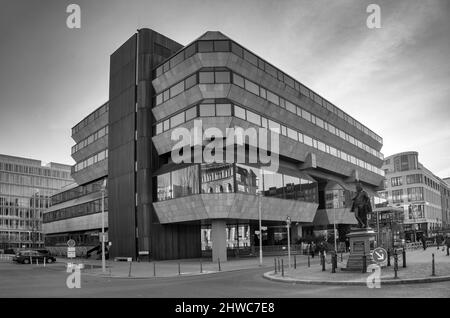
(170, 268)
(418, 269)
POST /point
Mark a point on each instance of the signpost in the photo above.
(71, 249)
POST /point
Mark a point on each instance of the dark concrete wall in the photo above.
(134, 226)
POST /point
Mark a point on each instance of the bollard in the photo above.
(433, 270)
(295, 262)
(44, 261)
(322, 257)
(154, 269)
(31, 261)
(333, 268)
(37, 261)
(129, 271)
(279, 265)
(309, 262)
(389, 257)
(364, 264)
(404, 257)
(218, 261)
(282, 268)
(179, 269)
(201, 267)
(448, 248)
(275, 262)
(395, 265)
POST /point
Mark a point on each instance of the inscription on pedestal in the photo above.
(358, 247)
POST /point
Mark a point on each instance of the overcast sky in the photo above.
(395, 80)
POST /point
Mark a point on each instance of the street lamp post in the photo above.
(103, 227)
(288, 225)
(260, 231)
(334, 230)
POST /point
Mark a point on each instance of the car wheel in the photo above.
(26, 261)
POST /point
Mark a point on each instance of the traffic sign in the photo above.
(379, 255)
(71, 252)
(71, 243)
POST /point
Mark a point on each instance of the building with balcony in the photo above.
(26, 186)
(159, 208)
(422, 195)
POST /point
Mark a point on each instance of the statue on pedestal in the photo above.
(361, 206)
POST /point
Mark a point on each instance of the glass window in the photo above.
(205, 46)
(319, 122)
(292, 134)
(222, 77)
(206, 78)
(190, 81)
(185, 181)
(248, 179)
(207, 110)
(164, 188)
(177, 89)
(159, 128)
(283, 130)
(221, 46)
(300, 137)
(251, 87)
(253, 118)
(262, 93)
(273, 184)
(271, 97)
(190, 50)
(166, 95)
(236, 49)
(166, 66)
(166, 125)
(307, 140)
(264, 122)
(306, 115)
(191, 113)
(177, 120)
(274, 126)
(239, 112)
(223, 109)
(271, 70)
(249, 57)
(176, 59)
(159, 71)
(290, 107)
(238, 80)
(101, 156)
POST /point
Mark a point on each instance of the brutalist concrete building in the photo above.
(159, 208)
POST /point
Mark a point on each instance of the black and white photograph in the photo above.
(215, 156)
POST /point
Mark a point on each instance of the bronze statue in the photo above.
(361, 206)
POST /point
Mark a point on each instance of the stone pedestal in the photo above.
(219, 240)
(362, 243)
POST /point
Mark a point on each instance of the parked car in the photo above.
(25, 257)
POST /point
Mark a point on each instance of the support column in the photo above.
(219, 240)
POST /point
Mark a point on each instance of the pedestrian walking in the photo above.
(424, 242)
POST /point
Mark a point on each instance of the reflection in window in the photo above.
(218, 176)
(178, 183)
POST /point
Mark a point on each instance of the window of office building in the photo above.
(396, 181)
(415, 194)
(397, 196)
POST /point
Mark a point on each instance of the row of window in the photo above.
(413, 194)
(102, 155)
(223, 76)
(80, 238)
(8, 237)
(90, 139)
(77, 192)
(31, 181)
(19, 224)
(231, 46)
(417, 178)
(39, 171)
(93, 116)
(218, 178)
(225, 109)
(75, 211)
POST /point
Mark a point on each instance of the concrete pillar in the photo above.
(219, 240)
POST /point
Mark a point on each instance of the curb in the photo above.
(189, 274)
(423, 280)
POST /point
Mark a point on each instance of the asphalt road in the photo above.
(31, 281)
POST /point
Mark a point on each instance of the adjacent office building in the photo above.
(76, 211)
(423, 196)
(25, 189)
(159, 208)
